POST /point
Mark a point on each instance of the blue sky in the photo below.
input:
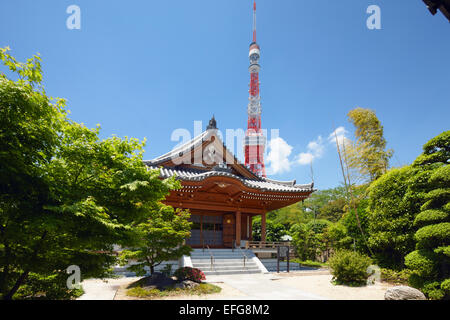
(145, 68)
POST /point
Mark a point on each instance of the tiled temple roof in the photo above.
(263, 184)
(193, 174)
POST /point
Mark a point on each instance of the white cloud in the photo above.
(305, 158)
(278, 156)
(315, 150)
(341, 134)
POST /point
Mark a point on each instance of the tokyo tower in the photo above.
(255, 140)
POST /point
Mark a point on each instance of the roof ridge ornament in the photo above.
(212, 124)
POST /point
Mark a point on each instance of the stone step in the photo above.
(223, 263)
(230, 272)
(220, 261)
(219, 255)
(230, 269)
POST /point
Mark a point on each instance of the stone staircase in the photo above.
(226, 261)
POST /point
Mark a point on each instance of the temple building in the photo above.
(221, 193)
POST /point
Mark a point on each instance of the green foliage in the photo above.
(336, 235)
(160, 238)
(327, 204)
(188, 273)
(274, 231)
(333, 210)
(319, 225)
(306, 242)
(430, 216)
(437, 150)
(445, 286)
(66, 195)
(309, 239)
(308, 263)
(391, 217)
(350, 222)
(430, 263)
(51, 287)
(432, 289)
(201, 289)
(423, 262)
(434, 235)
(394, 276)
(349, 267)
(323, 204)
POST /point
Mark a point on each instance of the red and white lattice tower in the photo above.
(255, 141)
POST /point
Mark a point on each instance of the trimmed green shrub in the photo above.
(349, 267)
(430, 216)
(430, 263)
(433, 235)
(396, 277)
(433, 290)
(423, 263)
(308, 263)
(391, 217)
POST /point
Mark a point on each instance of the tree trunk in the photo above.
(152, 269)
(24, 275)
(16, 286)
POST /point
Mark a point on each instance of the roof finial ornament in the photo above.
(212, 124)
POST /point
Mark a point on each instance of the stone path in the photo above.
(262, 287)
(96, 289)
(249, 287)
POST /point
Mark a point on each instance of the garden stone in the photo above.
(156, 281)
(403, 293)
(186, 284)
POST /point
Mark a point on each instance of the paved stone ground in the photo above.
(262, 287)
(96, 289)
(249, 287)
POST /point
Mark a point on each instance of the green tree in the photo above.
(308, 239)
(392, 210)
(66, 196)
(355, 221)
(274, 231)
(336, 237)
(430, 262)
(161, 238)
(368, 155)
(333, 210)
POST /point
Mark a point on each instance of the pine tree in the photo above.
(430, 262)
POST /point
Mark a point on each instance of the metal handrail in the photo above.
(212, 258)
(242, 252)
(266, 245)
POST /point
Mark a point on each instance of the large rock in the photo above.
(156, 281)
(403, 293)
(186, 284)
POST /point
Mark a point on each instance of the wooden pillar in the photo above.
(263, 227)
(251, 229)
(238, 228)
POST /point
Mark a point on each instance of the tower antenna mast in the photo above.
(254, 20)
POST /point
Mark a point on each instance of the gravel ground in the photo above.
(283, 286)
(321, 285)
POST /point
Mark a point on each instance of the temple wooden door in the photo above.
(229, 230)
